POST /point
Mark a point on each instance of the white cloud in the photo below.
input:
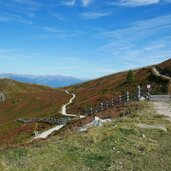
(52, 33)
(27, 2)
(136, 2)
(22, 8)
(68, 2)
(13, 55)
(83, 3)
(59, 16)
(94, 15)
(9, 17)
(139, 44)
(86, 3)
(142, 29)
(49, 29)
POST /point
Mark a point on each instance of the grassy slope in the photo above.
(165, 64)
(121, 148)
(26, 100)
(95, 91)
(165, 68)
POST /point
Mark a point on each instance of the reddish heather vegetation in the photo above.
(93, 92)
(26, 101)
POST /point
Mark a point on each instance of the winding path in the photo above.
(46, 133)
(63, 109)
(157, 73)
(162, 103)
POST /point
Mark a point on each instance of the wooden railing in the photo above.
(48, 120)
(139, 94)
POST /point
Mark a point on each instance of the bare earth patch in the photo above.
(162, 104)
(141, 125)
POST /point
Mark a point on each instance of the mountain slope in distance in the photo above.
(49, 80)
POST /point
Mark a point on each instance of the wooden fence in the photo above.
(48, 120)
(139, 94)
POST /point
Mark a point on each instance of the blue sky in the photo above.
(83, 38)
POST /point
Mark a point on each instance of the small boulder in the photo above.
(142, 98)
(2, 97)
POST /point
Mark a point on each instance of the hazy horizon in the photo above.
(84, 79)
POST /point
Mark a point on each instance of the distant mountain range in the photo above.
(49, 80)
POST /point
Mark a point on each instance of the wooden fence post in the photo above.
(97, 109)
(127, 96)
(102, 107)
(91, 111)
(112, 102)
(107, 105)
(139, 92)
(120, 99)
(148, 91)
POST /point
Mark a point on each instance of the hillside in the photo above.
(165, 67)
(48, 80)
(29, 100)
(126, 143)
(93, 92)
(120, 145)
(26, 101)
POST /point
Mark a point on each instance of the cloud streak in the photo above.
(142, 29)
(137, 2)
(9, 17)
(59, 16)
(68, 2)
(144, 42)
(27, 2)
(86, 3)
(94, 15)
(83, 3)
(51, 30)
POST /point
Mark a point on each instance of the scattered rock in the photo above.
(143, 135)
(82, 129)
(2, 97)
(142, 98)
(96, 122)
(36, 133)
(115, 126)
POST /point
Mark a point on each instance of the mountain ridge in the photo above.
(48, 80)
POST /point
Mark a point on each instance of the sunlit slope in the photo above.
(96, 91)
